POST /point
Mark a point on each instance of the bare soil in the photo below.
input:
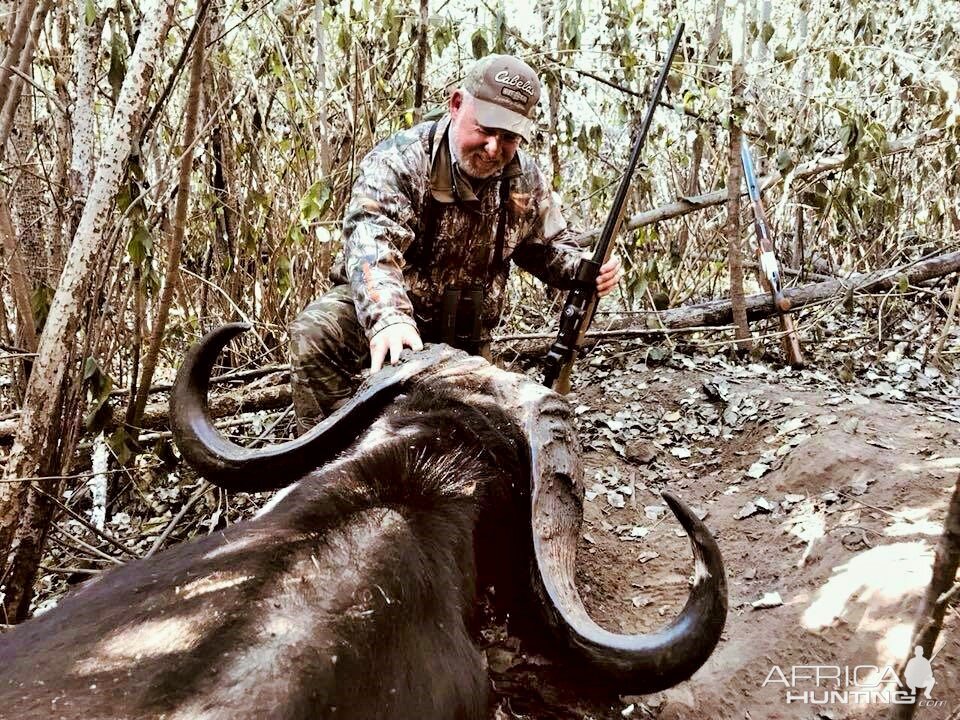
(849, 551)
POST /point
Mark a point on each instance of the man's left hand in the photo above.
(609, 275)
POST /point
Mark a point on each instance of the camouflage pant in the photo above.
(328, 350)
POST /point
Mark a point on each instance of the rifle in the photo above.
(767, 260)
(581, 301)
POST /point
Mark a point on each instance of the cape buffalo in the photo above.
(352, 595)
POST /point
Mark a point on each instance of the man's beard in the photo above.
(473, 165)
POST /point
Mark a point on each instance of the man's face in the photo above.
(483, 151)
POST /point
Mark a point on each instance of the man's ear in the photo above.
(455, 102)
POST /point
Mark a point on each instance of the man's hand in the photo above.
(609, 275)
(393, 338)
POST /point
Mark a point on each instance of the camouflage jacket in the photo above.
(386, 221)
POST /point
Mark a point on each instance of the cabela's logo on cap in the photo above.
(514, 85)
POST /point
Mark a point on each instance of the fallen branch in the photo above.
(234, 376)
(710, 316)
(718, 312)
(155, 414)
(625, 332)
(716, 315)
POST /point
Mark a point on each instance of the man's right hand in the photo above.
(393, 338)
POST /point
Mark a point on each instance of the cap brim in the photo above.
(492, 115)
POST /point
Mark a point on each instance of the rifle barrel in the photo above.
(581, 300)
(612, 223)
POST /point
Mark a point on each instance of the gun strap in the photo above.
(501, 229)
(431, 208)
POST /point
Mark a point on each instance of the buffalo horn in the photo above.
(254, 470)
(638, 663)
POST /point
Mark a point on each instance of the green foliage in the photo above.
(785, 161)
(478, 43)
(766, 32)
(89, 12)
(571, 22)
(283, 274)
(315, 201)
(123, 444)
(140, 246)
(99, 384)
(40, 300)
(443, 34)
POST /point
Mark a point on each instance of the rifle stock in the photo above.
(581, 301)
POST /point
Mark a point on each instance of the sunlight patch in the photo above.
(808, 527)
(233, 546)
(211, 583)
(700, 572)
(935, 463)
(149, 639)
(197, 710)
(893, 644)
(279, 626)
(944, 463)
(275, 500)
(881, 575)
(913, 521)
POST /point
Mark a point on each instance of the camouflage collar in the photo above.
(447, 183)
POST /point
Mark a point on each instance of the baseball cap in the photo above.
(506, 91)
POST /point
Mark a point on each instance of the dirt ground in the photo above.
(849, 494)
(827, 498)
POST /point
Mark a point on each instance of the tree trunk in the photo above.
(83, 152)
(322, 120)
(803, 76)
(29, 198)
(679, 250)
(942, 586)
(23, 228)
(734, 255)
(37, 450)
(12, 87)
(19, 283)
(8, 10)
(179, 224)
(423, 49)
(31, 538)
(61, 65)
(20, 288)
(19, 29)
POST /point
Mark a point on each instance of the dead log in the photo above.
(694, 318)
(759, 306)
(272, 397)
(717, 314)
